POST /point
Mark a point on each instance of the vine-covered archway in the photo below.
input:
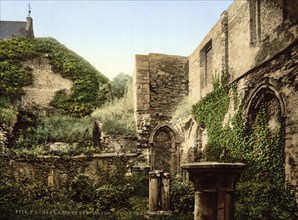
(265, 112)
(267, 97)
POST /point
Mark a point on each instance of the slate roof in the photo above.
(16, 28)
(12, 28)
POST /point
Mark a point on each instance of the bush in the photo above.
(268, 201)
(140, 183)
(112, 198)
(182, 197)
(67, 129)
(81, 189)
(120, 85)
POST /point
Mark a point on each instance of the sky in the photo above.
(109, 34)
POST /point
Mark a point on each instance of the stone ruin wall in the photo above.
(161, 83)
(45, 84)
(255, 42)
(240, 40)
(278, 76)
(257, 46)
(57, 171)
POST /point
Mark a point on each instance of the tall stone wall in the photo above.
(255, 42)
(161, 83)
(208, 59)
(247, 34)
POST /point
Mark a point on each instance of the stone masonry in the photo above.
(45, 83)
(161, 83)
(255, 42)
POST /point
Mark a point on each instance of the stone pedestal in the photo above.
(214, 184)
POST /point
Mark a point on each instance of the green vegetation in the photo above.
(117, 116)
(182, 198)
(31, 134)
(70, 118)
(113, 194)
(120, 85)
(84, 96)
(210, 113)
(262, 192)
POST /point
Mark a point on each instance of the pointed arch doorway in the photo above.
(164, 149)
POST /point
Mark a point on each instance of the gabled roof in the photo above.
(12, 28)
(16, 28)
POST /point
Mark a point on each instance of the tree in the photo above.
(120, 85)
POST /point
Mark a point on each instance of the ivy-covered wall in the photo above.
(248, 113)
(253, 120)
(41, 80)
(68, 187)
(84, 95)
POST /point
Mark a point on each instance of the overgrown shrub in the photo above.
(112, 198)
(182, 198)
(8, 113)
(81, 189)
(120, 85)
(269, 200)
(25, 132)
(67, 129)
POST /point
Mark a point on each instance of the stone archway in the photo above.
(265, 95)
(164, 150)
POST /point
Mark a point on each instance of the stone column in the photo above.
(159, 193)
(154, 190)
(152, 157)
(178, 159)
(165, 192)
(214, 184)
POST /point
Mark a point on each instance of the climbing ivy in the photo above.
(113, 193)
(262, 192)
(84, 96)
(210, 113)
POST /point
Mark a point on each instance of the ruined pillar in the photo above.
(165, 192)
(214, 185)
(154, 189)
(159, 193)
